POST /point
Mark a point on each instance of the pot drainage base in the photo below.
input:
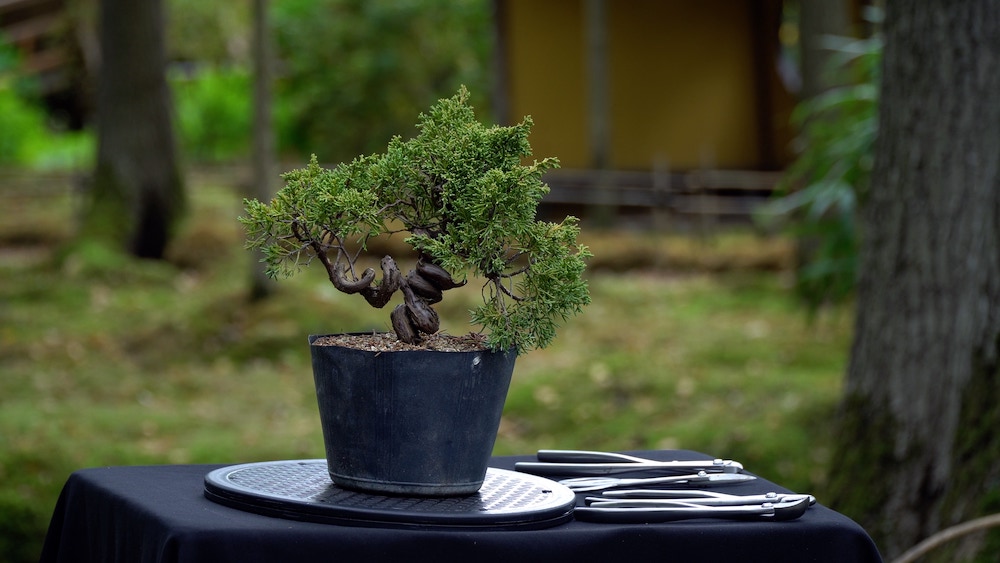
(302, 490)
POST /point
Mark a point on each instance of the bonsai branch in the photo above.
(497, 281)
(339, 274)
(516, 273)
(378, 295)
(343, 277)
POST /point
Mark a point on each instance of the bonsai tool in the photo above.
(581, 463)
(702, 478)
(586, 456)
(650, 497)
(669, 511)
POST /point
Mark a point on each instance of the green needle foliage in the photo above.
(468, 205)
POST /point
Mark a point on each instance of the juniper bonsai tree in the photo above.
(460, 192)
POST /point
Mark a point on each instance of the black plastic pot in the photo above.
(419, 423)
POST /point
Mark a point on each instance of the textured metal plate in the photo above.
(302, 490)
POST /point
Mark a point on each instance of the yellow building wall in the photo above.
(682, 91)
(546, 76)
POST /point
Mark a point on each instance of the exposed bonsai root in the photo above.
(436, 275)
(423, 288)
(425, 319)
(402, 325)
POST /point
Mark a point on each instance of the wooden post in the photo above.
(599, 119)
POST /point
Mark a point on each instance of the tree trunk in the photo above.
(817, 19)
(918, 447)
(137, 194)
(262, 185)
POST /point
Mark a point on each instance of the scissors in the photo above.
(585, 463)
(703, 478)
(669, 511)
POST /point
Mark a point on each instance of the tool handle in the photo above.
(595, 469)
(778, 512)
(584, 456)
(612, 458)
(590, 484)
(663, 493)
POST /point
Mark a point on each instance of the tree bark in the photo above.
(265, 168)
(817, 19)
(917, 448)
(137, 194)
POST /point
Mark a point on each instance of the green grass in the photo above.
(106, 360)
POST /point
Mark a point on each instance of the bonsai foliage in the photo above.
(460, 192)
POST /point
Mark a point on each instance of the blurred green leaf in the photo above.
(819, 195)
(213, 112)
(354, 73)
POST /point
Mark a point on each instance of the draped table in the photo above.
(161, 514)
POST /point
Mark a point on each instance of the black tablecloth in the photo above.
(160, 514)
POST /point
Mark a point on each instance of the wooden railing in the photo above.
(696, 192)
(37, 29)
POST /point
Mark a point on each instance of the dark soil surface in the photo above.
(387, 342)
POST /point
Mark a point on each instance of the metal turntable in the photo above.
(302, 490)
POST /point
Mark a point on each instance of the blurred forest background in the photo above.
(696, 338)
(727, 333)
(352, 74)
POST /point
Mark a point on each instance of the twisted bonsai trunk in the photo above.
(421, 287)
